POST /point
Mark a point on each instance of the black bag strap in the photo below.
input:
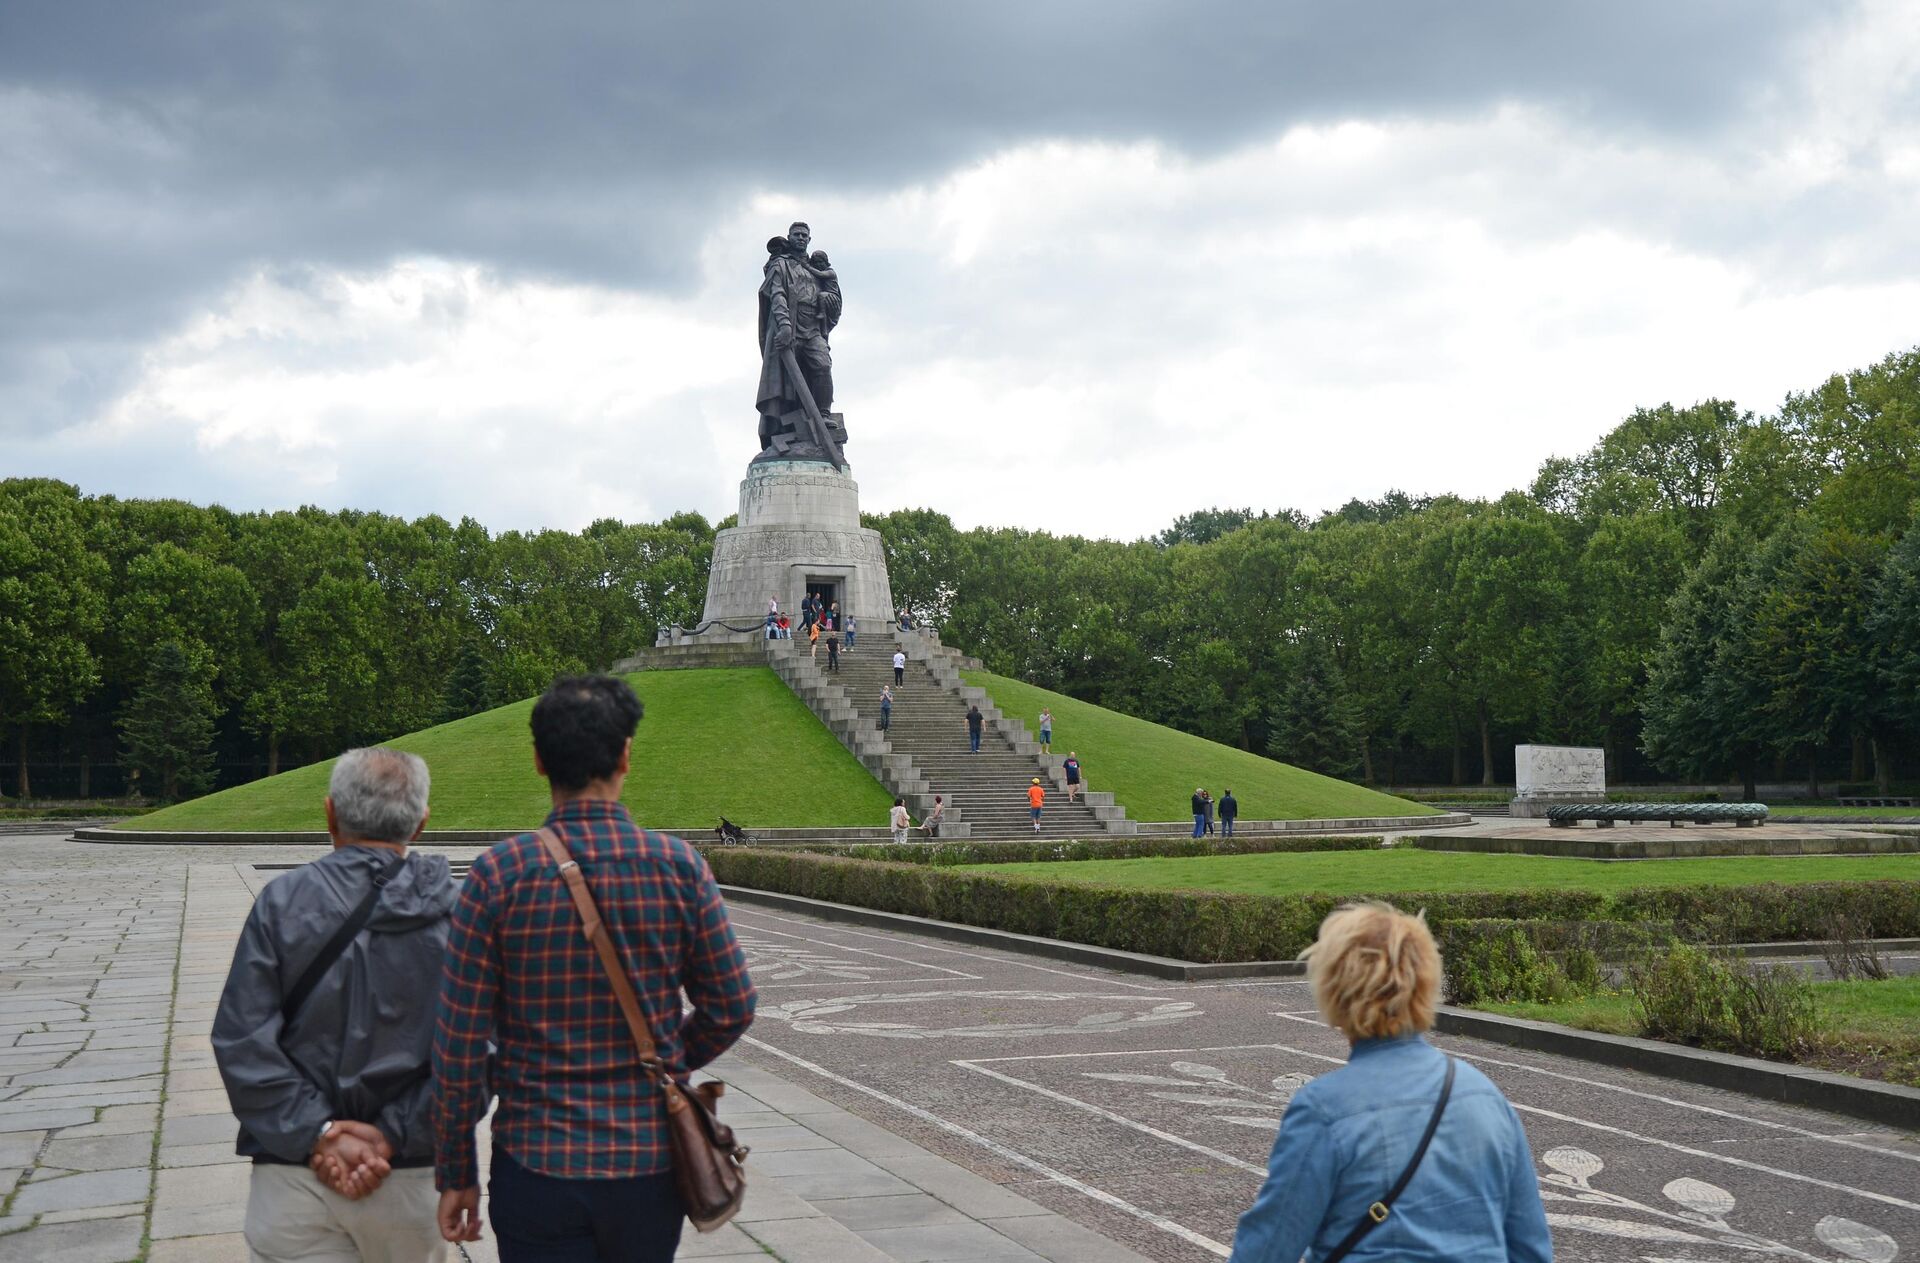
(1377, 1213)
(349, 930)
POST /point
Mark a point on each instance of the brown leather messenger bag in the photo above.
(709, 1167)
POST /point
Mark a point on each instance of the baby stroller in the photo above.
(731, 834)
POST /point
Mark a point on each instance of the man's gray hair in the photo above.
(379, 794)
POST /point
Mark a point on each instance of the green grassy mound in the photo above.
(1152, 771)
(725, 741)
(1406, 869)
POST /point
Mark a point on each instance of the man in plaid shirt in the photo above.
(581, 1168)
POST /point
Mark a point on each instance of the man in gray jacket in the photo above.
(325, 1025)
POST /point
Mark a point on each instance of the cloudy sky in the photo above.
(1104, 262)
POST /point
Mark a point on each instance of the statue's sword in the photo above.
(821, 434)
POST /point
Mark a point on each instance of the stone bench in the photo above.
(1606, 815)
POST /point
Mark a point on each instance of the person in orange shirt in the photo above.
(1036, 799)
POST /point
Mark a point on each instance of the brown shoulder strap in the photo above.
(596, 931)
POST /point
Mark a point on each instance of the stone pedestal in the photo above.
(799, 528)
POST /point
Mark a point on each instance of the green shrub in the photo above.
(1538, 961)
(945, 854)
(106, 810)
(1774, 912)
(1210, 926)
(1503, 966)
(1692, 995)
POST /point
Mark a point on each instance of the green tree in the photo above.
(339, 656)
(284, 555)
(1315, 724)
(52, 605)
(1673, 459)
(206, 608)
(1203, 526)
(1811, 593)
(1893, 629)
(924, 557)
(1497, 573)
(169, 726)
(1863, 429)
(1627, 571)
(1704, 704)
(466, 691)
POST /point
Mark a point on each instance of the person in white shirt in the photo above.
(901, 821)
(899, 667)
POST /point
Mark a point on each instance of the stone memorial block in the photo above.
(1547, 776)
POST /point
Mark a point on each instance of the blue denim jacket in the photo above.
(1346, 1137)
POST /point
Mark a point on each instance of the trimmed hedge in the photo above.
(947, 854)
(1205, 926)
(105, 811)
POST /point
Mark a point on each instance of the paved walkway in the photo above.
(116, 1143)
(907, 1099)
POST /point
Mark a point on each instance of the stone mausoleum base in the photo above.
(799, 532)
(1661, 841)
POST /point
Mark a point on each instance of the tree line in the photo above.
(197, 645)
(1707, 593)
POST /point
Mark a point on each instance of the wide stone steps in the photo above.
(924, 750)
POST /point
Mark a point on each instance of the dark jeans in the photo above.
(1226, 825)
(973, 739)
(899, 675)
(539, 1219)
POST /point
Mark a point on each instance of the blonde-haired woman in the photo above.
(1403, 1153)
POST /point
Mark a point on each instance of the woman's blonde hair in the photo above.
(1375, 971)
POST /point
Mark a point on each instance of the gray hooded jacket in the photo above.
(365, 1028)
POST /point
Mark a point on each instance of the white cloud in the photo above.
(1095, 338)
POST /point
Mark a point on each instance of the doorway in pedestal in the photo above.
(828, 588)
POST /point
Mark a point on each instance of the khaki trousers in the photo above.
(293, 1218)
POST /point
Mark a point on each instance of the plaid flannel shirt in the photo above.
(574, 1102)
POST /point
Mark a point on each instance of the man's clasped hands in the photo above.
(352, 1159)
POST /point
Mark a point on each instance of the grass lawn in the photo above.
(1400, 869)
(727, 741)
(1152, 771)
(1865, 1027)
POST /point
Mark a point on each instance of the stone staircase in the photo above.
(925, 751)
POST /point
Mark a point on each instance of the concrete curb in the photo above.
(1884, 1103)
(1812, 949)
(1026, 944)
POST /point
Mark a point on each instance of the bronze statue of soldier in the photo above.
(799, 307)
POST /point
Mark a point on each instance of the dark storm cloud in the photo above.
(153, 152)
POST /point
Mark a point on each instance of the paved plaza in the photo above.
(906, 1099)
